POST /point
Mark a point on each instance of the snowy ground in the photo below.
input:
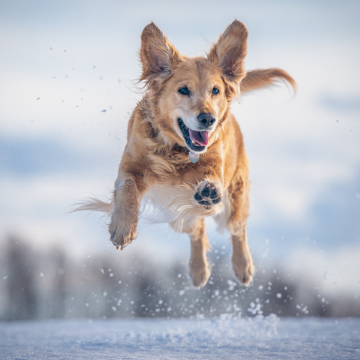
(182, 339)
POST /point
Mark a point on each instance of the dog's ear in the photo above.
(230, 50)
(158, 56)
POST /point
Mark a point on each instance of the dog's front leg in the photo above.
(210, 190)
(209, 193)
(124, 219)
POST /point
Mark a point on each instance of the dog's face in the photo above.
(193, 101)
(191, 96)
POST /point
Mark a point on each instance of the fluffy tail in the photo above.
(93, 204)
(257, 79)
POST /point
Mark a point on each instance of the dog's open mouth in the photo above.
(195, 140)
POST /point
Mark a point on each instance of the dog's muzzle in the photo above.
(195, 140)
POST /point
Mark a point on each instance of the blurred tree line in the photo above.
(51, 284)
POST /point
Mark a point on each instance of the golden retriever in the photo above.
(185, 151)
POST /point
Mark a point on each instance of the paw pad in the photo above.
(207, 195)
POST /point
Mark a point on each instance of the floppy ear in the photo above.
(230, 50)
(158, 56)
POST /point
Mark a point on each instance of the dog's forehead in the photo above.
(197, 71)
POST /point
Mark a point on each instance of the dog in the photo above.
(185, 151)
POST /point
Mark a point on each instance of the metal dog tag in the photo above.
(193, 157)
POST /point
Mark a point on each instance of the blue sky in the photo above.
(63, 63)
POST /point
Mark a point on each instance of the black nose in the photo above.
(206, 119)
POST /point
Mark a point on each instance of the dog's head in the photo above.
(190, 97)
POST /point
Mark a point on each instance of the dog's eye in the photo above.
(215, 91)
(184, 91)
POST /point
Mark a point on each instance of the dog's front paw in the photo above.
(208, 194)
(243, 267)
(123, 229)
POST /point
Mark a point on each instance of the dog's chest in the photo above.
(166, 202)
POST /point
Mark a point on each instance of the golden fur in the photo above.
(155, 164)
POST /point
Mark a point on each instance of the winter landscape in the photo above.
(68, 86)
(258, 338)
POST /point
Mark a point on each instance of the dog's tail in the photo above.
(93, 204)
(260, 78)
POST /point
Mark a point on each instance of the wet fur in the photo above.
(155, 164)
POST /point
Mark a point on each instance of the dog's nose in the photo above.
(206, 119)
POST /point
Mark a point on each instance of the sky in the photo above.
(68, 78)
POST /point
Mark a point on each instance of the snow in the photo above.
(255, 338)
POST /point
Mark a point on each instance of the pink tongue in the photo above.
(201, 137)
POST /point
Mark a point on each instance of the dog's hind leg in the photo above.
(199, 267)
(236, 224)
(241, 258)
